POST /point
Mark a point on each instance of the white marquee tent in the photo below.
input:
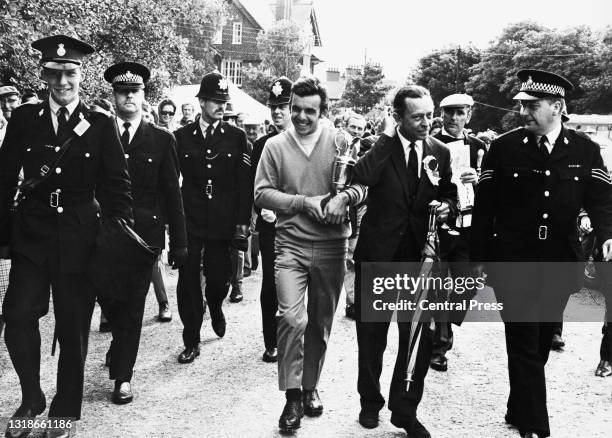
(241, 102)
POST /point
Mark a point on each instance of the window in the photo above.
(232, 70)
(237, 34)
(218, 37)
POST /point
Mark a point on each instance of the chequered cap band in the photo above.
(128, 77)
(540, 87)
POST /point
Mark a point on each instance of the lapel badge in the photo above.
(277, 89)
(525, 140)
(565, 140)
(81, 127)
(430, 165)
(195, 132)
(81, 116)
(41, 112)
(222, 131)
(60, 50)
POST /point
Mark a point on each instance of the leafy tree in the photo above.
(281, 49)
(256, 82)
(139, 30)
(445, 71)
(572, 52)
(365, 89)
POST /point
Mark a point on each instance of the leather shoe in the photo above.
(368, 419)
(349, 311)
(26, 412)
(122, 393)
(164, 315)
(189, 354)
(416, 430)
(217, 320)
(270, 355)
(236, 295)
(58, 432)
(291, 417)
(312, 403)
(557, 342)
(604, 369)
(438, 362)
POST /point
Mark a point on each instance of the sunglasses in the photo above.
(166, 113)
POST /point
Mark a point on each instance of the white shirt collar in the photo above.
(134, 124)
(445, 132)
(54, 106)
(418, 148)
(552, 135)
(204, 125)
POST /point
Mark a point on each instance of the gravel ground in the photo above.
(228, 391)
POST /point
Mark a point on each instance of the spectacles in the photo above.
(166, 113)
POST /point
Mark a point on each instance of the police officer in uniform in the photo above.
(54, 228)
(468, 152)
(218, 196)
(534, 181)
(153, 166)
(278, 101)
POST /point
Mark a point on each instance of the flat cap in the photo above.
(215, 87)
(280, 91)
(538, 84)
(7, 90)
(130, 75)
(457, 100)
(61, 52)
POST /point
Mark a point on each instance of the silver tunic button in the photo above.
(209, 166)
(546, 193)
(58, 170)
(516, 175)
(576, 178)
(209, 181)
(150, 160)
(154, 217)
(209, 196)
(57, 149)
(60, 209)
(229, 155)
(86, 154)
(547, 173)
(208, 151)
(28, 149)
(545, 215)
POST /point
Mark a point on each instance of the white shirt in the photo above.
(132, 129)
(418, 148)
(204, 126)
(55, 107)
(306, 142)
(551, 138)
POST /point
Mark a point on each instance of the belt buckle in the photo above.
(208, 189)
(543, 232)
(54, 199)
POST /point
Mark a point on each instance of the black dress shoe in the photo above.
(557, 342)
(164, 314)
(368, 419)
(217, 320)
(26, 412)
(349, 311)
(270, 355)
(604, 369)
(312, 403)
(236, 295)
(414, 430)
(189, 354)
(122, 393)
(291, 417)
(438, 362)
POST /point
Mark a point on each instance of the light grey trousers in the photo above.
(309, 277)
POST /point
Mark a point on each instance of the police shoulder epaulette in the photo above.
(580, 133)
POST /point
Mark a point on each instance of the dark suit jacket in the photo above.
(154, 171)
(258, 148)
(394, 208)
(93, 165)
(224, 165)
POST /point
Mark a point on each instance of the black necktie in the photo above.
(125, 137)
(63, 131)
(209, 132)
(413, 167)
(543, 147)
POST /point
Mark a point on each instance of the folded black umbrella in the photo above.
(122, 262)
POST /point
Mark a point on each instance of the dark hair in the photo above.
(165, 102)
(29, 94)
(187, 104)
(409, 91)
(311, 86)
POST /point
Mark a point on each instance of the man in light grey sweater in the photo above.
(293, 176)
